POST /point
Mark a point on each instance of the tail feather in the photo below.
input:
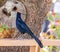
(37, 40)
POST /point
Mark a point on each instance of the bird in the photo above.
(23, 28)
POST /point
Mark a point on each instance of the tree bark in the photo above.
(36, 15)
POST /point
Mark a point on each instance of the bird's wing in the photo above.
(24, 26)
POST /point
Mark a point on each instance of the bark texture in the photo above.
(36, 14)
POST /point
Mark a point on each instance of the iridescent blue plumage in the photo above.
(23, 28)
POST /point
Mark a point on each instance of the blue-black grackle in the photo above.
(23, 28)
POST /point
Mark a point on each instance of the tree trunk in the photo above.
(36, 14)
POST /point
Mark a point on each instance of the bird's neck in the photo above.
(19, 16)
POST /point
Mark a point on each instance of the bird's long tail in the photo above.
(37, 40)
